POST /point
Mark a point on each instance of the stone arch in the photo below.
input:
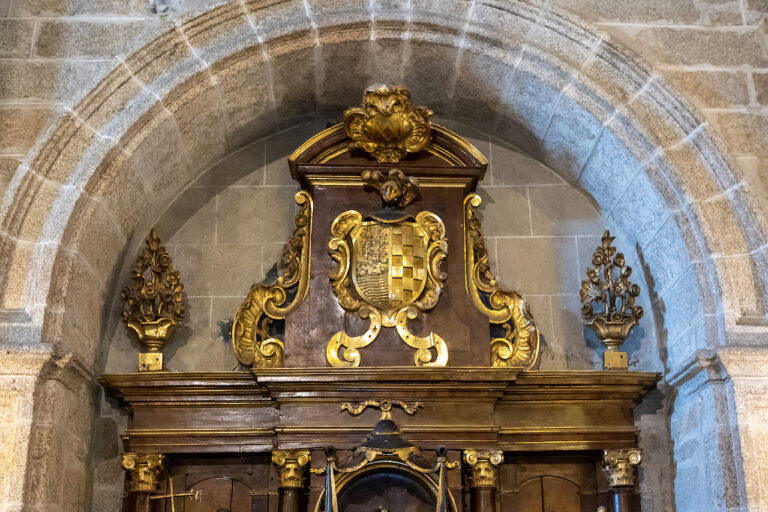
(555, 88)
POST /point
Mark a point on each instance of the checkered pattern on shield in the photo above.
(408, 265)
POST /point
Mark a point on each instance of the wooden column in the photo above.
(483, 478)
(144, 475)
(291, 466)
(621, 466)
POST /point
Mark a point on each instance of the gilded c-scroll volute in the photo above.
(620, 465)
(518, 347)
(291, 466)
(144, 470)
(484, 467)
(252, 338)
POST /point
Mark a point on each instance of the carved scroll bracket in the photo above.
(519, 346)
(384, 405)
(252, 339)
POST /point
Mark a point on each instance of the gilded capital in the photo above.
(484, 466)
(144, 470)
(290, 464)
(621, 465)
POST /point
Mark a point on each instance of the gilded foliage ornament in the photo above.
(252, 338)
(518, 347)
(608, 287)
(154, 303)
(388, 126)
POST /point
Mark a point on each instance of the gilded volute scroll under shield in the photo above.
(252, 339)
(388, 270)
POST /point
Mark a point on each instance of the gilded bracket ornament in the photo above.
(154, 303)
(388, 126)
(484, 467)
(608, 284)
(290, 464)
(252, 341)
(519, 346)
(384, 405)
(144, 470)
(620, 465)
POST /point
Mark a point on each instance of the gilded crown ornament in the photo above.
(253, 339)
(388, 270)
(608, 286)
(518, 344)
(388, 126)
(154, 303)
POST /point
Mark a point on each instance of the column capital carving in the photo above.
(144, 470)
(291, 465)
(621, 465)
(484, 467)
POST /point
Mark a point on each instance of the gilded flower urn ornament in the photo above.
(154, 303)
(608, 287)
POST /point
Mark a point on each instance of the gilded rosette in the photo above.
(252, 338)
(154, 302)
(518, 347)
(388, 126)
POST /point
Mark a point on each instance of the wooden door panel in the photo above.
(527, 499)
(219, 495)
(560, 495)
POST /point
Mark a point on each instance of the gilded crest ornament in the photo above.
(388, 126)
(388, 270)
(608, 284)
(154, 303)
(518, 346)
(252, 334)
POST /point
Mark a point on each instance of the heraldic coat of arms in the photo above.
(388, 270)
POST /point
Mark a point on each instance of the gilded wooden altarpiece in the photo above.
(384, 296)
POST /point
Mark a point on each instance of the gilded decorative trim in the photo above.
(251, 339)
(484, 467)
(620, 465)
(388, 126)
(519, 346)
(154, 307)
(290, 465)
(143, 470)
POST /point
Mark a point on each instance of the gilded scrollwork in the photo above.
(387, 271)
(252, 338)
(388, 126)
(154, 303)
(519, 346)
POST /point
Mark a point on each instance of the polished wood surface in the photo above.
(254, 412)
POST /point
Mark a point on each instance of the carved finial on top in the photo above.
(395, 188)
(388, 126)
(608, 284)
(154, 304)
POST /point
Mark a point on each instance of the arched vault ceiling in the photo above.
(560, 91)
